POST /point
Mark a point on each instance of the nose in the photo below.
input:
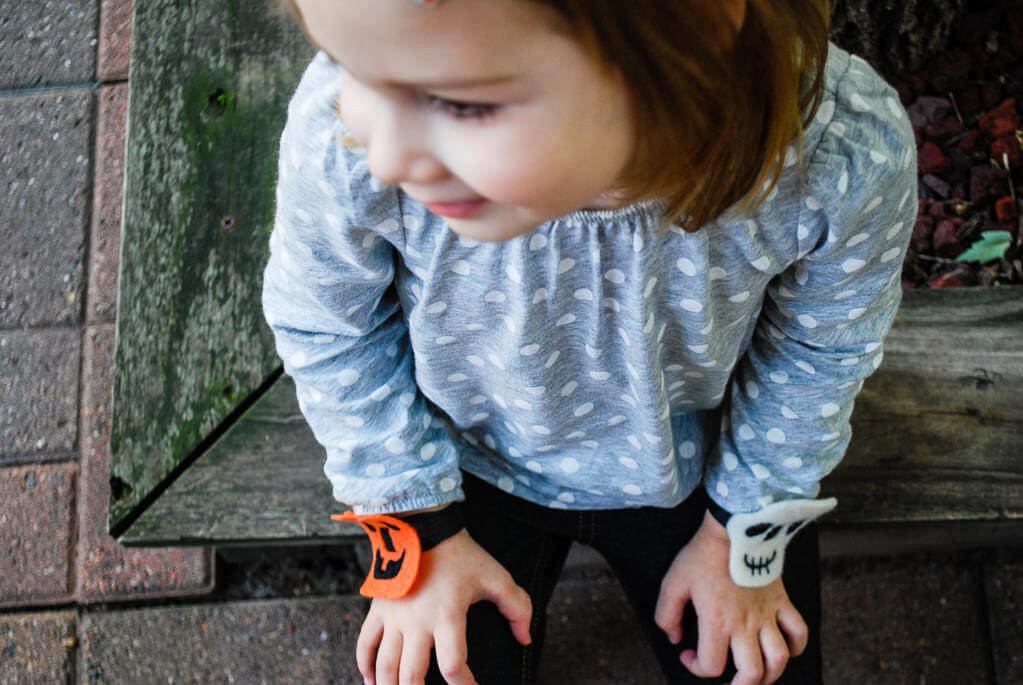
(397, 151)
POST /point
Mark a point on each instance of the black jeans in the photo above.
(639, 545)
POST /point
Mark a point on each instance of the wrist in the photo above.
(436, 524)
(713, 529)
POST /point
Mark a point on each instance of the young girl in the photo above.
(586, 270)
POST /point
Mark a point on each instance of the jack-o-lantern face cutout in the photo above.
(396, 554)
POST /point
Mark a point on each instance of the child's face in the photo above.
(542, 131)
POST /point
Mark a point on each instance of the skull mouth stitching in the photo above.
(759, 565)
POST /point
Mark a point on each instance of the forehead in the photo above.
(400, 41)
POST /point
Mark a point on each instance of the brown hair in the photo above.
(713, 111)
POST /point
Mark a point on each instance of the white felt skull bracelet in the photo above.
(757, 540)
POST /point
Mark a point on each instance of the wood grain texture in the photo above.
(209, 88)
(936, 435)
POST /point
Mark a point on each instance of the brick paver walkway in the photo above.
(76, 607)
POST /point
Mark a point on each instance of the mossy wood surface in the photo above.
(936, 432)
(210, 81)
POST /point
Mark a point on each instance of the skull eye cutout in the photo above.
(756, 530)
(793, 527)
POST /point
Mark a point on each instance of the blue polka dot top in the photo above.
(596, 362)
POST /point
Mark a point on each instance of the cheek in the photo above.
(355, 105)
(519, 168)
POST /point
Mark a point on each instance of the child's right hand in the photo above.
(396, 637)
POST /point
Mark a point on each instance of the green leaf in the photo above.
(991, 246)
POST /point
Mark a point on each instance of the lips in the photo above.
(456, 210)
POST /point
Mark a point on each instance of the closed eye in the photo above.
(459, 109)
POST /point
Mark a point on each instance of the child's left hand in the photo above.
(749, 620)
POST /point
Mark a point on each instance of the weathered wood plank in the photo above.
(263, 480)
(209, 88)
(936, 434)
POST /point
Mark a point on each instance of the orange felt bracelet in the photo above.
(396, 554)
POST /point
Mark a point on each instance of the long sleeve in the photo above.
(785, 423)
(329, 297)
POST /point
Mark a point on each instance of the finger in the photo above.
(749, 664)
(452, 653)
(388, 658)
(671, 604)
(775, 652)
(415, 657)
(711, 654)
(366, 646)
(794, 627)
(514, 604)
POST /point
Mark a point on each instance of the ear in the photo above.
(736, 11)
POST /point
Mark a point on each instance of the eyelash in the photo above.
(461, 110)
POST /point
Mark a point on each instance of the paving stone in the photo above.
(47, 42)
(35, 533)
(902, 620)
(1004, 590)
(37, 648)
(294, 641)
(108, 187)
(44, 197)
(593, 636)
(115, 18)
(38, 394)
(106, 570)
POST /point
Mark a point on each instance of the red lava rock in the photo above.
(945, 242)
(944, 281)
(937, 210)
(953, 275)
(1008, 146)
(987, 181)
(944, 129)
(1000, 121)
(972, 142)
(931, 160)
(921, 240)
(1006, 209)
